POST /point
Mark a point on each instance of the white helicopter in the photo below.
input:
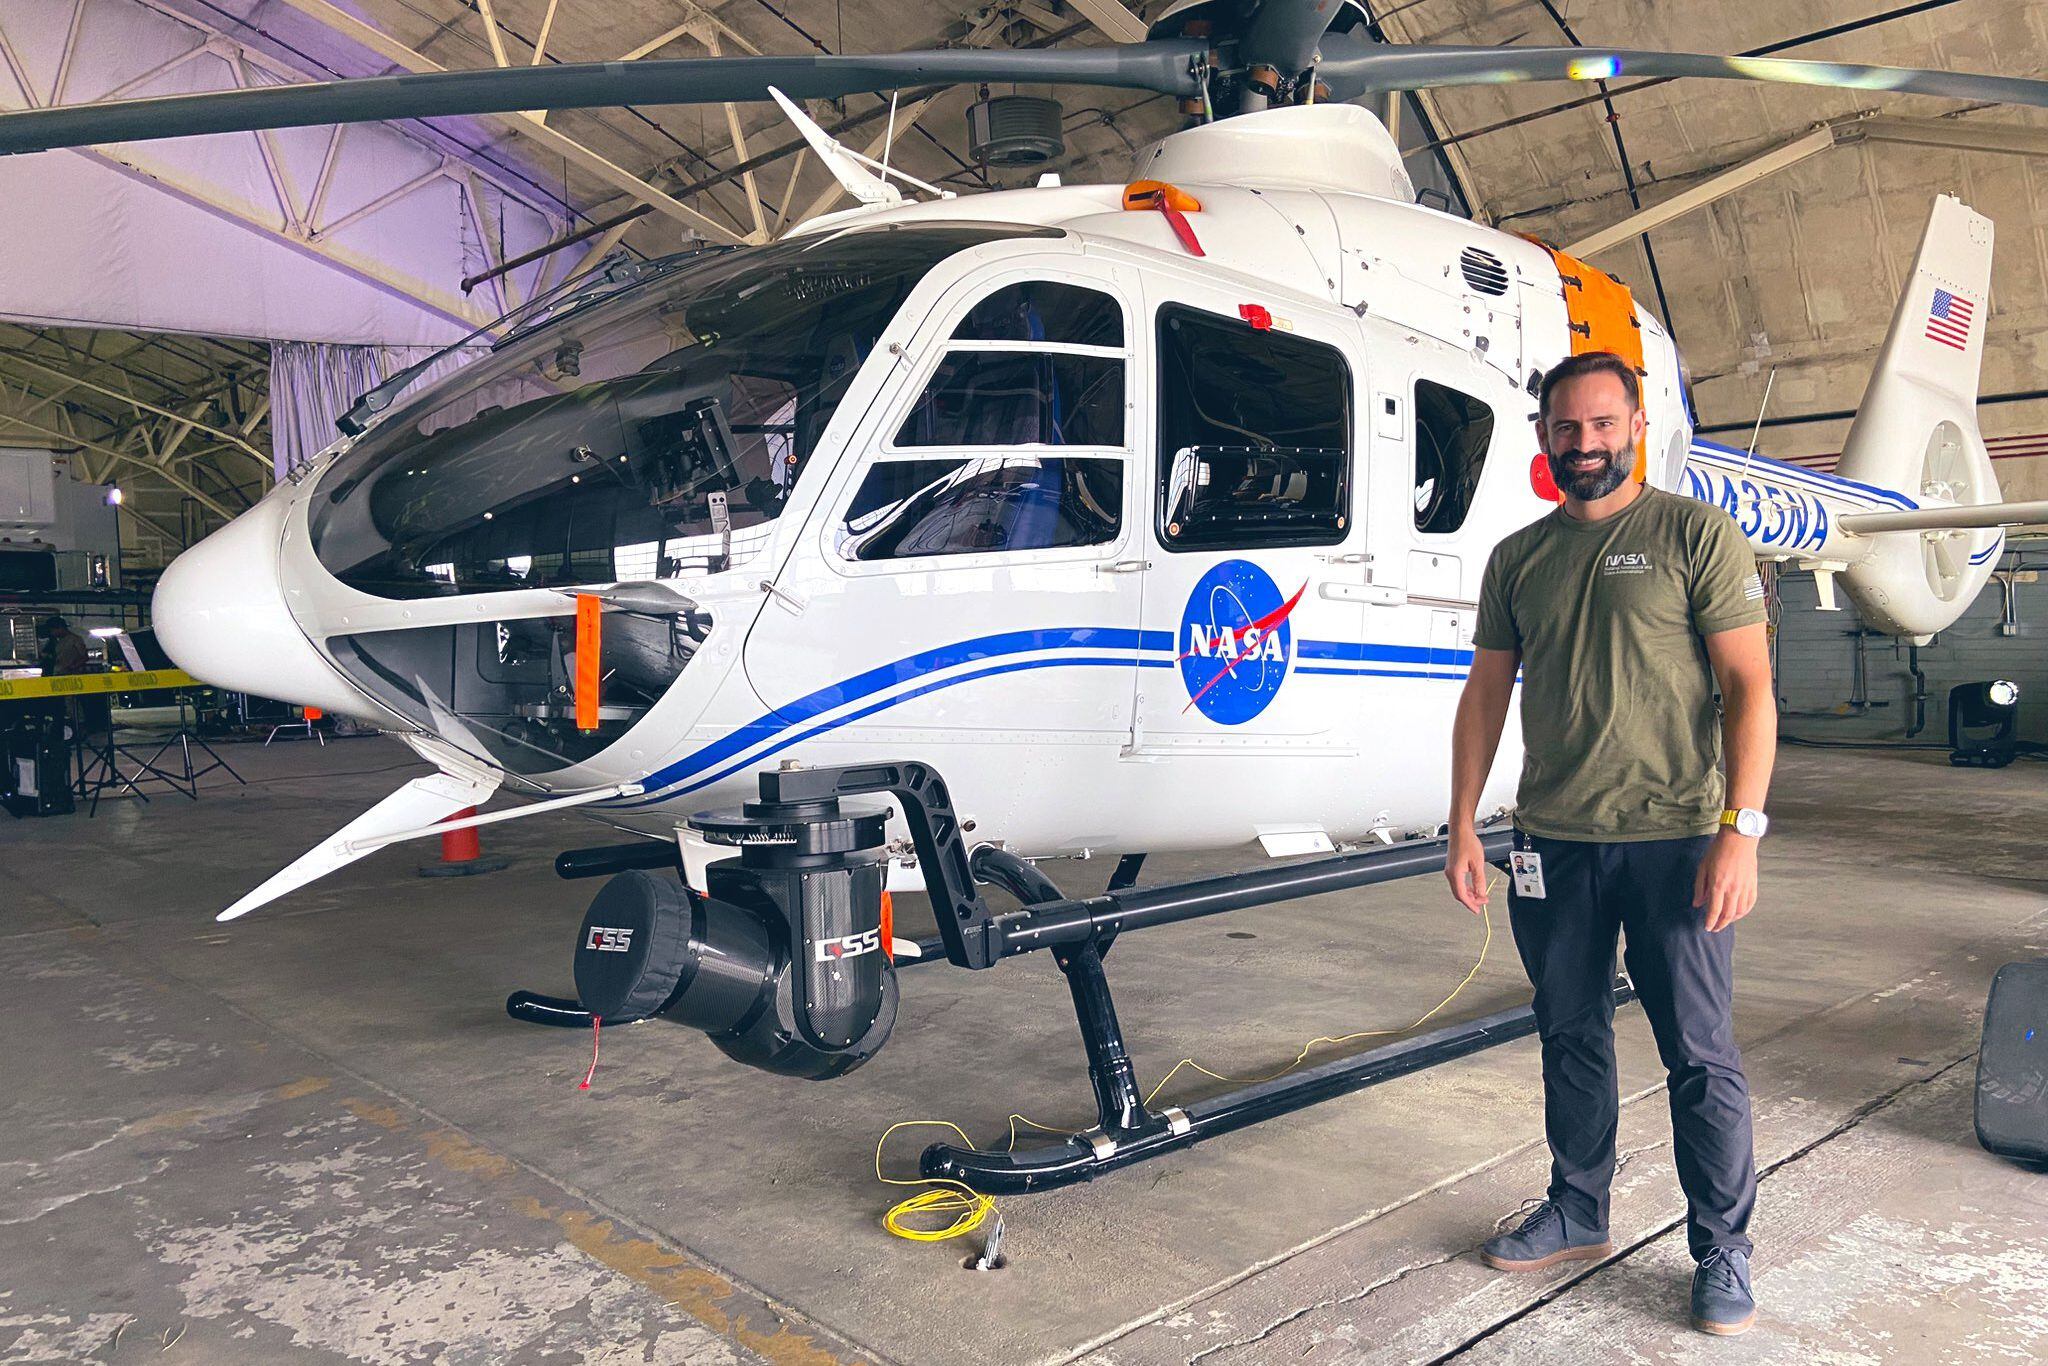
(1150, 514)
(1153, 531)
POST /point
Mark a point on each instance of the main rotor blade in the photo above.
(1166, 67)
(1353, 66)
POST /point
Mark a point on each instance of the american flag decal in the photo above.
(1948, 319)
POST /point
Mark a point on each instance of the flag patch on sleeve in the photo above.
(1753, 589)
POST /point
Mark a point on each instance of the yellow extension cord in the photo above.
(970, 1208)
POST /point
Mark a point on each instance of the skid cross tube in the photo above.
(1079, 933)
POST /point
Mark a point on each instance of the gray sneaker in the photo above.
(1721, 1298)
(1545, 1238)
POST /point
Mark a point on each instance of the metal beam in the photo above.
(1961, 135)
(142, 406)
(130, 510)
(739, 146)
(497, 39)
(1958, 134)
(1706, 192)
(568, 149)
(170, 477)
(1120, 24)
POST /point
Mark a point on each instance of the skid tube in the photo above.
(1080, 932)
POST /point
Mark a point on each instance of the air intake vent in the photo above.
(1483, 271)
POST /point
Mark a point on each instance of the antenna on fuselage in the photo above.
(854, 172)
(1749, 457)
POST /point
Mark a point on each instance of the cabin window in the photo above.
(1042, 311)
(1254, 436)
(907, 509)
(1453, 432)
(1033, 364)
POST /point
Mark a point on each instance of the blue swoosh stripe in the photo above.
(1385, 654)
(772, 723)
(1384, 673)
(899, 698)
(1790, 473)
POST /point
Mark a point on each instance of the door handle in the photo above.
(1355, 557)
(1376, 595)
(1124, 567)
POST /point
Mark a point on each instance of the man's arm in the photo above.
(1726, 886)
(1482, 711)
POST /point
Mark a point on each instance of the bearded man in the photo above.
(1622, 610)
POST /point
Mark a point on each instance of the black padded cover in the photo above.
(2012, 1067)
(634, 946)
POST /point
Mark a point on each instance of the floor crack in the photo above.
(1849, 1124)
(1398, 1274)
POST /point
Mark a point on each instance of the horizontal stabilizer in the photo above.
(422, 801)
(1968, 518)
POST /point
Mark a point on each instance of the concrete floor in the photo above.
(315, 1135)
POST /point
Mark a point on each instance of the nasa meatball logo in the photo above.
(1235, 643)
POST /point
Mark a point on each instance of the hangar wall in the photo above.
(1817, 665)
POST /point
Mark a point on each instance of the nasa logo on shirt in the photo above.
(1235, 643)
(1625, 562)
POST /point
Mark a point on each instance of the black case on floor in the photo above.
(2012, 1067)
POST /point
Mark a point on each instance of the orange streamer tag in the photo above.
(589, 676)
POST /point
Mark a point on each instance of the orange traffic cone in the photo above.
(462, 852)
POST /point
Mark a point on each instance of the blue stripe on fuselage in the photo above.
(1789, 473)
(741, 741)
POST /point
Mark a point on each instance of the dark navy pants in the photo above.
(1684, 978)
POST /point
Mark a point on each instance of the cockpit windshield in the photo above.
(654, 434)
(651, 435)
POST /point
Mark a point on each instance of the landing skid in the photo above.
(1126, 1131)
(1079, 932)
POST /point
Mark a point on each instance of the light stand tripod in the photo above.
(99, 766)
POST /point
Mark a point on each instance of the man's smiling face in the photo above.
(1589, 435)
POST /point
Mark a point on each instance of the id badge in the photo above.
(1526, 866)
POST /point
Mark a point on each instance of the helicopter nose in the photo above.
(220, 613)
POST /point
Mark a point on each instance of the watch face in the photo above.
(1751, 823)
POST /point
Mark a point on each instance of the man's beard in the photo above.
(1588, 485)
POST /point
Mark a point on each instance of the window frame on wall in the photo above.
(1342, 424)
(1479, 468)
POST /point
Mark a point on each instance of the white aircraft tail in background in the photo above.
(1911, 518)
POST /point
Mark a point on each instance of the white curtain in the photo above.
(314, 383)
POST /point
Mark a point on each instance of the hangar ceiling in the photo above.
(1792, 274)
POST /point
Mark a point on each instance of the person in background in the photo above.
(63, 649)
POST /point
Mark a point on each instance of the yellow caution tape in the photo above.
(81, 685)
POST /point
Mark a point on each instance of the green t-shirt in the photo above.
(1618, 716)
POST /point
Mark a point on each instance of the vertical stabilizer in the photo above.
(1916, 429)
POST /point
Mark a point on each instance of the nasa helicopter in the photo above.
(1075, 519)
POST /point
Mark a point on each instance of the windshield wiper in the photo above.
(616, 272)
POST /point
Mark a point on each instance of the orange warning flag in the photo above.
(589, 633)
